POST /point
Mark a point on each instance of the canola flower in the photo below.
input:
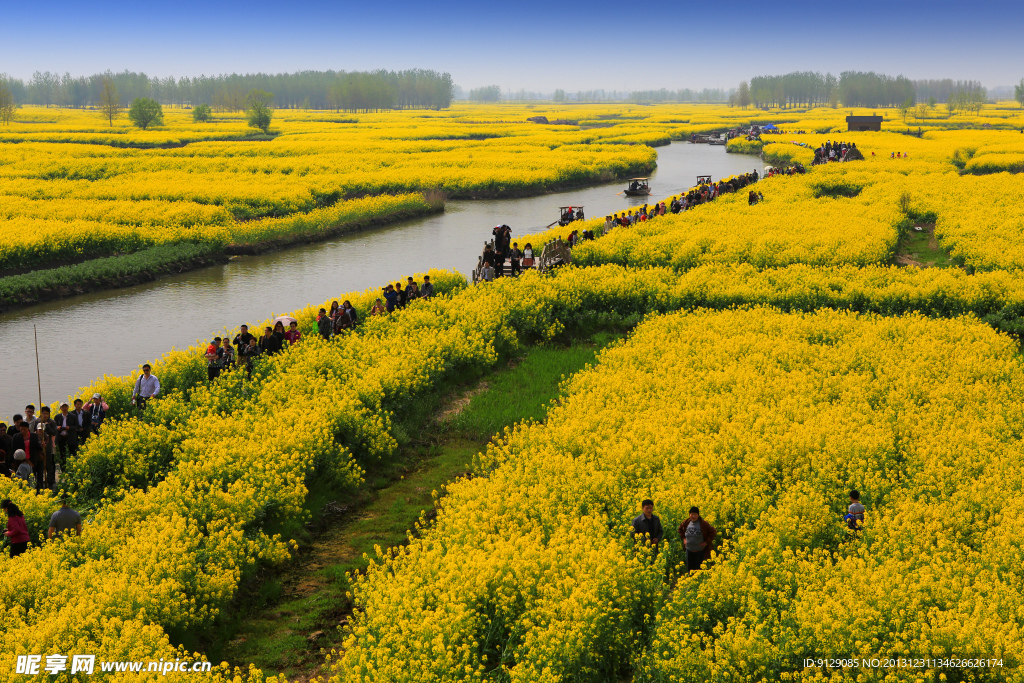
(765, 419)
(528, 574)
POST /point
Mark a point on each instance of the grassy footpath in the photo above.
(921, 249)
(286, 617)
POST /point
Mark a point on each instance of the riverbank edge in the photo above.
(52, 289)
(119, 272)
(553, 188)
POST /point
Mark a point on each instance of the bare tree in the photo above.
(110, 102)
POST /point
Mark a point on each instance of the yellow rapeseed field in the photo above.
(777, 359)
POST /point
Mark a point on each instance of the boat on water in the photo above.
(638, 187)
(568, 214)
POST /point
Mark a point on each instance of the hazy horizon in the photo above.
(523, 46)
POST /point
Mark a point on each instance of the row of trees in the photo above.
(812, 88)
(352, 90)
(856, 89)
(145, 111)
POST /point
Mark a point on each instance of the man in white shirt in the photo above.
(147, 386)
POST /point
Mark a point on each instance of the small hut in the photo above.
(864, 122)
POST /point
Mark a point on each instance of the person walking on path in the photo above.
(649, 524)
(855, 513)
(17, 531)
(515, 259)
(147, 386)
(697, 536)
(63, 521)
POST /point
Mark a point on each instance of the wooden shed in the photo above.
(864, 122)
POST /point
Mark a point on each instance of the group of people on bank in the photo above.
(40, 445)
(224, 353)
(702, 194)
(832, 151)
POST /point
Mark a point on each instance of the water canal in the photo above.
(112, 332)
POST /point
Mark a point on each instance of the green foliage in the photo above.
(202, 113)
(257, 109)
(145, 112)
(7, 103)
(18, 289)
(489, 93)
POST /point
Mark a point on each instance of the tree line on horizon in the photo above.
(338, 90)
(854, 89)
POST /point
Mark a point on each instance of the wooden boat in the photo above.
(638, 187)
(568, 214)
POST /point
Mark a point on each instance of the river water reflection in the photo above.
(112, 332)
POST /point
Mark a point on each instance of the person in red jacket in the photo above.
(17, 531)
(696, 535)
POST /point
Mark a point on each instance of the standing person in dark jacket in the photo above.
(324, 324)
(242, 340)
(351, 311)
(8, 451)
(269, 343)
(515, 257)
(649, 523)
(391, 297)
(67, 434)
(17, 531)
(12, 431)
(279, 335)
(84, 420)
(427, 290)
(696, 535)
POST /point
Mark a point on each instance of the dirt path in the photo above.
(306, 606)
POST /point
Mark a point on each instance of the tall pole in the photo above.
(39, 382)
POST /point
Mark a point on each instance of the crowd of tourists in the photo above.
(40, 445)
(834, 151)
(697, 535)
(224, 353)
(791, 170)
(702, 194)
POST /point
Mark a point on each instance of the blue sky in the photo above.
(530, 44)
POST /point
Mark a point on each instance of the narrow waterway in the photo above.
(112, 332)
